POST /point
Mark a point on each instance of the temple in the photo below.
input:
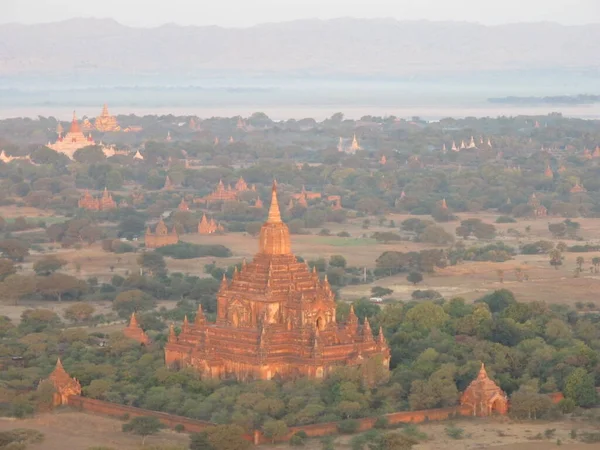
(183, 205)
(225, 194)
(161, 236)
(483, 397)
(537, 209)
(209, 226)
(275, 319)
(548, 173)
(578, 189)
(135, 332)
(104, 203)
(64, 385)
(72, 141)
(105, 122)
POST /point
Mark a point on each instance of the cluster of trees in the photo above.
(437, 346)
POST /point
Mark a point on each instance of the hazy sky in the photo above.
(236, 13)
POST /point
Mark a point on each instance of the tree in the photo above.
(394, 441)
(131, 301)
(153, 262)
(378, 291)
(37, 320)
(337, 261)
(59, 284)
(7, 268)
(14, 249)
(580, 261)
(580, 387)
(15, 287)
(79, 312)
(555, 258)
(220, 437)
(132, 225)
(143, 426)
(275, 429)
(386, 237)
(414, 278)
(48, 265)
(427, 315)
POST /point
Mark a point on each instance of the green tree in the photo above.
(414, 278)
(337, 261)
(153, 262)
(79, 312)
(131, 301)
(48, 265)
(7, 268)
(220, 437)
(14, 249)
(275, 429)
(15, 287)
(59, 284)
(143, 426)
(378, 291)
(427, 315)
(580, 387)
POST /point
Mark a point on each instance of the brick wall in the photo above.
(116, 410)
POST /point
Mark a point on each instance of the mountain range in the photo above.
(354, 47)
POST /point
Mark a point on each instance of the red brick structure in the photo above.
(275, 318)
(183, 206)
(224, 193)
(161, 236)
(135, 332)
(538, 210)
(64, 385)
(209, 226)
(104, 203)
(483, 397)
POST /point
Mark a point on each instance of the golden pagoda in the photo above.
(72, 141)
(275, 319)
(105, 122)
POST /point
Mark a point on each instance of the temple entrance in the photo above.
(320, 323)
(235, 319)
(498, 406)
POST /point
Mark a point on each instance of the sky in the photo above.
(244, 13)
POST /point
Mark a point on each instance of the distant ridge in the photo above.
(313, 47)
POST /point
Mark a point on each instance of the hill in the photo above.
(356, 47)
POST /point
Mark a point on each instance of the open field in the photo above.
(80, 431)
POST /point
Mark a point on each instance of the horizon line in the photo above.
(305, 19)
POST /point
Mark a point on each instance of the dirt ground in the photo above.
(80, 431)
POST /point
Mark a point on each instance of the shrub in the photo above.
(184, 250)
(298, 439)
(505, 219)
(348, 426)
(180, 428)
(567, 405)
(381, 423)
(455, 432)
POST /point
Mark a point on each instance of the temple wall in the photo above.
(321, 429)
(114, 409)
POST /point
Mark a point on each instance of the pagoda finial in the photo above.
(172, 335)
(482, 372)
(381, 337)
(186, 324)
(224, 284)
(367, 332)
(200, 318)
(59, 365)
(274, 213)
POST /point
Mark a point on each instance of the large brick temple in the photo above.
(275, 318)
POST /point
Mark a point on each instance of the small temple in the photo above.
(578, 189)
(335, 201)
(168, 184)
(138, 156)
(183, 205)
(105, 122)
(259, 203)
(9, 158)
(275, 319)
(483, 397)
(161, 236)
(135, 332)
(72, 141)
(548, 173)
(104, 203)
(537, 209)
(224, 193)
(209, 226)
(64, 385)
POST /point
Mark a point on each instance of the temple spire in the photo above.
(172, 335)
(200, 319)
(482, 372)
(274, 213)
(133, 323)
